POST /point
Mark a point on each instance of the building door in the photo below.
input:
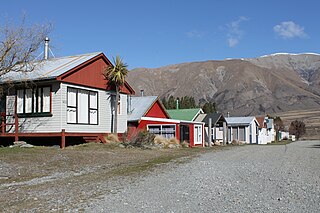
(184, 133)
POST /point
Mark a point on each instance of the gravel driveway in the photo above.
(278, 178)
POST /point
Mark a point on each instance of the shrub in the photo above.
(142, 139)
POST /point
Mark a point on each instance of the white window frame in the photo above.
(197, 134)
(34, 101)
(84, 109)
(162, 131)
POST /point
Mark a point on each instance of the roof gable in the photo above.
(240, 121)
(261, 122)
(85, 70)
(216, 117)
(146, 106)
(157, 110)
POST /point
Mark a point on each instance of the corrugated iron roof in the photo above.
(215, 118)
(239, 121)
(50, 69)
(184, 114)
(140, 106)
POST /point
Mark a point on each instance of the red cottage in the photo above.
(147, 113)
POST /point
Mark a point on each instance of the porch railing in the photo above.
(4, 124)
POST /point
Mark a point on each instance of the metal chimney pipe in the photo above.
(46, 48)
(141, 92)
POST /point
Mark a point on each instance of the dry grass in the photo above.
(167, 143)
(310, 117)
(36, 178)
(112, 138)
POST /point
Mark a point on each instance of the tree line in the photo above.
(187, 102)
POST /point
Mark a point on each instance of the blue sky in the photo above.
(148, 33)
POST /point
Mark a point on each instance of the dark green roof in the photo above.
(183, 114)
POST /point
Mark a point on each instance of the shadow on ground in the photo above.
(315, 146)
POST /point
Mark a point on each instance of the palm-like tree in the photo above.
(116, 75)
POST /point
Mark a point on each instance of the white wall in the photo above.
(58, 120)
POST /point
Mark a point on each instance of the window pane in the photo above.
(46, 99)
(168, 131)
(20, 94)
(93, 100)
(72, 97)
(71, 115)
(83, 106)
(93, 116)
(154, 129)
(38, 101)
(28, 102)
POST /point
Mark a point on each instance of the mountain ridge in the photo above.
(267, 84)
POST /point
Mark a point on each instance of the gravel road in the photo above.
(279, 178)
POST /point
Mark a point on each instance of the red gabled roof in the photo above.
(157, 110)
(261, 122)
(90, 73)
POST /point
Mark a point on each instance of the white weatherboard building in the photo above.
(244, 129)
(266, 133)
(63, 97)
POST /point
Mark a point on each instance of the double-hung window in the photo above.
(34, 101)
(82, 106)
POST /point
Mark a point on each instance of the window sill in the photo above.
(31, 115)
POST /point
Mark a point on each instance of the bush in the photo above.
(142, 139)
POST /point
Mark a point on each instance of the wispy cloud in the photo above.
(234, 31)
(195, 34)
(289, 29)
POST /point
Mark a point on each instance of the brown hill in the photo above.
(268, 84)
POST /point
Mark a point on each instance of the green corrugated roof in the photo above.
(183, 114)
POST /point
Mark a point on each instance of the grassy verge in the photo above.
(283, 142)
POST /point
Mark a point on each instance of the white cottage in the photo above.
(265, 130)
(244, 129)
(63, 97)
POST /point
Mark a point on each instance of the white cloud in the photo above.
(195, 34)
(232, 42)
(289, 29)
(234, 31)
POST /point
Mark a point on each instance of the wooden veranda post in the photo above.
(63, 139)
(210, 132)
(16, 127)
(225, 133)
(2, 123)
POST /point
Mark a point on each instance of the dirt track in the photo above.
(252, 178)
